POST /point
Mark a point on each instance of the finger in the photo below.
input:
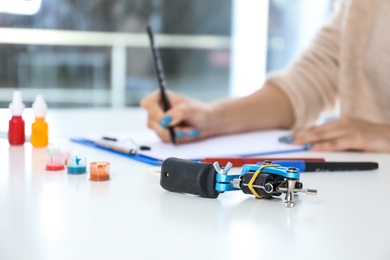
(183, 134)
(343, 143)
(188, 119)
(179, 113)
(290, 138)
(188, 134)
(150, 99)
(324, 132)
(152, 106)
(162, 132)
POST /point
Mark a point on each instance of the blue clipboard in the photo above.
(158, 162)
(249, 144)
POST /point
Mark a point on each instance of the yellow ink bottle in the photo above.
(39, 129)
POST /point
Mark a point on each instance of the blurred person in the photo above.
(346, 65)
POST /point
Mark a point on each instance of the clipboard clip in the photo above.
(127, 145)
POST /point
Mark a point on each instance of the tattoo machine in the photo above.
(208, 180)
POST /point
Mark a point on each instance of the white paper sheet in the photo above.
(240, 145)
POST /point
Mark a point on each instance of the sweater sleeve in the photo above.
(311, 81)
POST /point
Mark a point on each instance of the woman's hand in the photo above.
(191, 119)
(344, 134)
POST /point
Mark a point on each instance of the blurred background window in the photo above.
(95, 53)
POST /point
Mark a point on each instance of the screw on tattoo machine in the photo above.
(208, 180)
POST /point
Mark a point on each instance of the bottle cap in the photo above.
(77, 164)
(54, 159)
(39, 106)
(17, 106)
(99, 171)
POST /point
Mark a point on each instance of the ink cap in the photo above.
(99, 171)
(17, 106)
(76, 164)
(55, 160)
(39, 106)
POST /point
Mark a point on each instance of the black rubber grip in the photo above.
(179, 175)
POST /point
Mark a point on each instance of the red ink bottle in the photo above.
(16, 134)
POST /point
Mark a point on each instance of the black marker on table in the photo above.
(340, 166)
(328, 166)
(161, 78)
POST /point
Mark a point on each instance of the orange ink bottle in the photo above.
(39, 129)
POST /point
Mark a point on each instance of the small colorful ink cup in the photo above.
(77, 164)
(54, 159)
(99, 171)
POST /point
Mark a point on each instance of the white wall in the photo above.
(249, 39)
(249, 46)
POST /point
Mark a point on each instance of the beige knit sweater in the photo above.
(347, 64)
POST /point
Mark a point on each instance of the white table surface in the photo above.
(54, 215)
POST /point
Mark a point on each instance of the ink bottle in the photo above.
(16, 134)
(39, 129)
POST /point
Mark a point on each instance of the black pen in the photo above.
(327, 166)
(161, 78)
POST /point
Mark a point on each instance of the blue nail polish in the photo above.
(193, 133)
(165, 121)
(289, 139)
(282, 139)
(308, 146)
(179, 134)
